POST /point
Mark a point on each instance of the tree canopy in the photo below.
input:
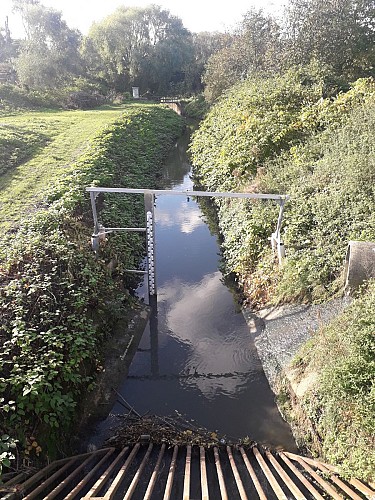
(137, 46)
(50, 53)
(151, 49)
(337, 32)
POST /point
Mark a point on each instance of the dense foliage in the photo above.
(79, 94)
(341, 401)
(341, 34)
(280, 135)
(57, 301)
(337, 34)
(145, 47)
(276, 136)
(49, 56)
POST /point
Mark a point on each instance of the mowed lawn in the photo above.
(38, 148)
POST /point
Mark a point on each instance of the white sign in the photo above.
(135, 92)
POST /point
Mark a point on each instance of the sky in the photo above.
(196, 15)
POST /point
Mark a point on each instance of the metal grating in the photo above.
(186, 472)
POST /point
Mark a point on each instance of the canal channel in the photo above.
(197, 356)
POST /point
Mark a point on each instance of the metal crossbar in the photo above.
(209, 194)
(149, 198)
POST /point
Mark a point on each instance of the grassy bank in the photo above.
(57, 302)
(40, 149)
(339, 398)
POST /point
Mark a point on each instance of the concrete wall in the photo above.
(360, 264)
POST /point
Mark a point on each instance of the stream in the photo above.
(197, 355)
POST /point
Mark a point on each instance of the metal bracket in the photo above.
(276, 241)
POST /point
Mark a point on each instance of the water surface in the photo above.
(197, 355)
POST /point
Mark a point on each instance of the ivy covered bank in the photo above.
(58, 303)
(295, 134)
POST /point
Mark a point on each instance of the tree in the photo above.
(6, 44)
(254, 49)
(205, 44)
(340, 33)
(50, 54)
(146, 47)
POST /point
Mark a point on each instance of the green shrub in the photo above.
(196, 107)
(255, 121)
(80, 94)
(14, 98)
(331, 182)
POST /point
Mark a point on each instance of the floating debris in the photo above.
(171, 430)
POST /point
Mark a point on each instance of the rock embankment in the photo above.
(281, 330)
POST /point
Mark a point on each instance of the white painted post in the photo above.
(149, 198)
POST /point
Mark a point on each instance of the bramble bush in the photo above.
(58, 302)
(307, 148)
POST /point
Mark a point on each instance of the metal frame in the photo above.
(149, 199)
(238, 470)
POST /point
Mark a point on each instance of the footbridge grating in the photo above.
(150, 471)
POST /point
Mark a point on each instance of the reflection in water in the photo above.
(188, 217)
(197, 355)
(213, 333)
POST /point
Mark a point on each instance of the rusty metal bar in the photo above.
(283, 470)
(186, 494)
(253, 476)
(106, 474)
(204, 484)
(236, 474)
(270, 477)
(15, 480)
(43, 473)
(331, 491)
(312, 461)
(363, 488)
(154, 475)
(69, 479)
(223, 489)
(352, 494)
(49, 480)
(301, 477)
(172, 468)
(87, 478)
(137, 476)
(121, 474)
(284, 476)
